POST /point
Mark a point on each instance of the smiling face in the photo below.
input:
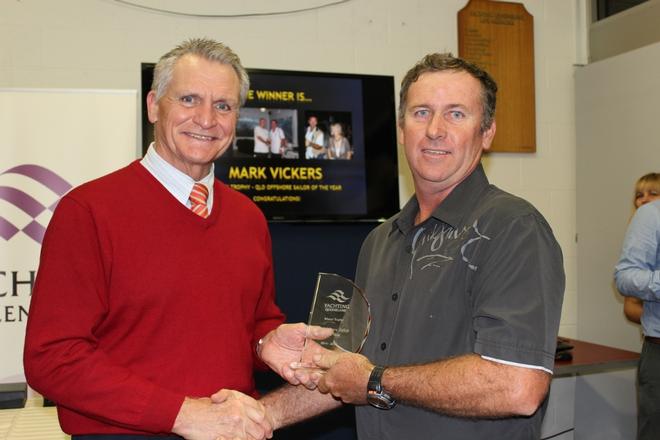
(196, 117)
(441, 132)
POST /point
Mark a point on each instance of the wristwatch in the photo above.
(376, 395)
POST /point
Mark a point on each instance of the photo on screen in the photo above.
(331, 129)
(248, 121)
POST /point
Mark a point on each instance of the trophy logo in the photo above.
(339, 296)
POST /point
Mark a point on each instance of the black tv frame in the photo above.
(379, 149)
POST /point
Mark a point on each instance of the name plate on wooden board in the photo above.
(499, 37)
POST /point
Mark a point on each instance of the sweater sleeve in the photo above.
(268, 316)
(63, 357)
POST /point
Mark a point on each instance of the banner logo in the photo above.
(28, 203)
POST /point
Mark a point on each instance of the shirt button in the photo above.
(409, 249)
(383, 346)
(395, 296)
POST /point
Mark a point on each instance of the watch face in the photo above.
(380, 400)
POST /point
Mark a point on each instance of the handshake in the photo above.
(291, 352)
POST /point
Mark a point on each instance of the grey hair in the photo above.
(206, 48)
(438, 62)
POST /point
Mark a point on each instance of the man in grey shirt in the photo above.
(465, 283)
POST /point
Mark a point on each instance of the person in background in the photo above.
(277, 139)
(637, 274)
(338, 145)
(465, 284)
(314, 140)
(261, 140)
(156, 281)
(647, 189)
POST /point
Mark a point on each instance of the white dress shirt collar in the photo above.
(179, 184)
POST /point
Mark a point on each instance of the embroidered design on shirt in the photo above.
(479, 236)
(428, 246)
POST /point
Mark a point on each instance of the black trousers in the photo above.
(124, 437)
(648, 389)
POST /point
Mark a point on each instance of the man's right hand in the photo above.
(234, 416)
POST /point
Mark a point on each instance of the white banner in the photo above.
(50, 141)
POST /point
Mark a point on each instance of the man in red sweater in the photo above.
(143, 305)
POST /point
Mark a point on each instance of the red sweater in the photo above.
(139, 302)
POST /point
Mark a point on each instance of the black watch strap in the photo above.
(376, 395)
(375, 379)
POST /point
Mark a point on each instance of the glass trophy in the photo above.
(341, 305)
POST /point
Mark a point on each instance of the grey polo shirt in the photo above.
(483, 275)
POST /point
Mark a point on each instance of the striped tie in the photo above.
(198, 197)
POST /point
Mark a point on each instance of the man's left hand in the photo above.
(346, 376)
(285, 346)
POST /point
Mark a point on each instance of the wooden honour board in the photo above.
(499, 37)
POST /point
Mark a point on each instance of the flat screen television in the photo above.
(338, 160)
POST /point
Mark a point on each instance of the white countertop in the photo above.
(30, 423)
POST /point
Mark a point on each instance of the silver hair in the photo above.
(203, 47)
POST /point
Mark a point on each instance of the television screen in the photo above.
(312, 146)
